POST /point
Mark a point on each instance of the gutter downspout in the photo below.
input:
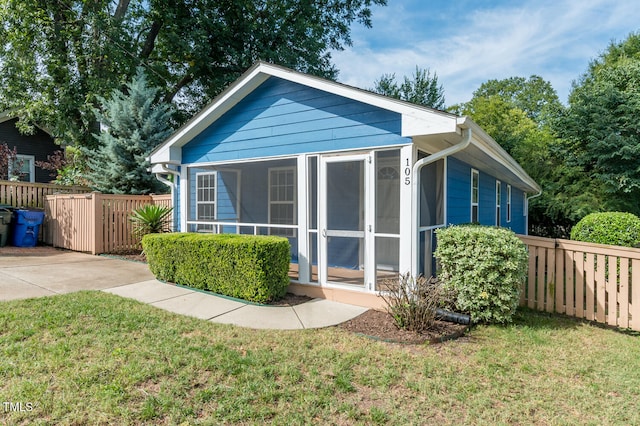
(172, 185)
(415, 212)
(530, 198)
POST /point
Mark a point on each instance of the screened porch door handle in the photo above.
(324, 233)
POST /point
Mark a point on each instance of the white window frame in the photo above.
(293, 203)
(498, 201)
(31, 160)
(508, 203)
(475, 173)
(200, 202)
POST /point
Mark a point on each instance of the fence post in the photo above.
(98, 223)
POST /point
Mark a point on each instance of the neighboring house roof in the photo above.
(9, 115)
(436, 130)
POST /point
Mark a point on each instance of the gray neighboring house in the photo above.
(30, 148)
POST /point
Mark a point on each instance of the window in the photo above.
(206, 199)
(508, 203)
(475, 184)
(498, 201)
(282, 198)
(24, 168)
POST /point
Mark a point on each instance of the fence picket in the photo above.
(623, 293)
(570, 274)
(634, 321)
(559, 281)
(600, 288)
(612, 291)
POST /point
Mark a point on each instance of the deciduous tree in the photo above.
(59, 56)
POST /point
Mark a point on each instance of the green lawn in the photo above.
(95, 358)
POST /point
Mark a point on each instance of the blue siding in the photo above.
(487, 199)
(285, 118)
(459, 198)
(518, 218)
(458, 192)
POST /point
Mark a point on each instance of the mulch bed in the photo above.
(380, 325)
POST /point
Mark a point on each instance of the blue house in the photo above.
(357, 182)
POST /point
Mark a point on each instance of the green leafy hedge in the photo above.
(613, 228)
(485, 268)
(253, 268)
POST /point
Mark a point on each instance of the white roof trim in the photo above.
(416, 120)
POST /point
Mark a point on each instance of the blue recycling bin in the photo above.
(6, 213)
(26, 226)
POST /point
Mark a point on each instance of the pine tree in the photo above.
(133, 124)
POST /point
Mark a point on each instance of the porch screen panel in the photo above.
(345, 202)
(388, 192)
(312, 208)
(387, 216)
(432, 194)
(345, 212)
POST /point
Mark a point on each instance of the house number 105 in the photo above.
(407, 173)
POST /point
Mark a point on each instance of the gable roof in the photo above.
(8, 115)
(432, 128)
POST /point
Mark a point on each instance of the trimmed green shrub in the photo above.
(253, 268)
(613, 228)
(484, 267)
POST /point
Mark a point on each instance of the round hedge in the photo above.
(612, 228)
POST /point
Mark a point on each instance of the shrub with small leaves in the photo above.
(613, 228)
(485, 268)
(412, 302)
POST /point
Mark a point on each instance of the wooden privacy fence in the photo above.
(592, 281)
(95, 223)
(23, 194)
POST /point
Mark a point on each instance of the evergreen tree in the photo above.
(134, 123)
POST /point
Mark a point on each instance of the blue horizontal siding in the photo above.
(518, 218)
(285, 118)
(459, 198)
(458, 192)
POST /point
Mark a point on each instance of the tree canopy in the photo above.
(601, 129)
(58, 57)
(422, 88)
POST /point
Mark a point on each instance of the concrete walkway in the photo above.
(43, 271)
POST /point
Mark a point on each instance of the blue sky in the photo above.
(467, 42)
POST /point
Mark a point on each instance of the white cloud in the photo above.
(553, 39)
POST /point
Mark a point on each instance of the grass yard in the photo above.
(94, 358)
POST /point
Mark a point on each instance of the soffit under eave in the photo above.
(477, 158)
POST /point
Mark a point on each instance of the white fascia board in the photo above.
(6, 116)
(416, 119)
(166, 154)
(208, 115)
(422, 123)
